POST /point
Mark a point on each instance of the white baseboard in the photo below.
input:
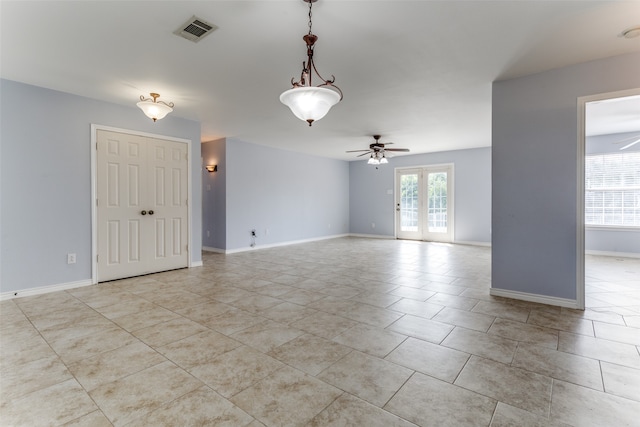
(472, 243)
(372, 236)
(274, 245)
(614, 254)
(295, 242)
(542, 299)
(210, 249)
(44, 289)
(380, 236)
(60, 287)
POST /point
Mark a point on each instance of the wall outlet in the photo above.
(208, 233)
(71, 258)
(373, 225)
(266, 232)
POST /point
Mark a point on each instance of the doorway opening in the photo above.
(609, 201)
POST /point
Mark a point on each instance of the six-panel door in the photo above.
(142, 205)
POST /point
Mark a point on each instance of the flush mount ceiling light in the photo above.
(308, 102)
(153, 108)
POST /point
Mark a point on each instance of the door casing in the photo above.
(580, 248)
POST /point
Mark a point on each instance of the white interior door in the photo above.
(141, 205)
(424, 203)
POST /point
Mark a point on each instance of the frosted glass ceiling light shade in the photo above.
(308, 102)
(154, 109)
(383, 160)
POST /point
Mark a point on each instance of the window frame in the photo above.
(605, 189)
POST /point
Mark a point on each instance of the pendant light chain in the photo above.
(310, 23)
(307, 72)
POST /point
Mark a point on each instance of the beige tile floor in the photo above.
(347, 331)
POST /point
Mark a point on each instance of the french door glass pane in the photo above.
(409, 202)
(437, 211)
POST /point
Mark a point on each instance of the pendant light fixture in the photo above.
(153, 108)
(308, 102)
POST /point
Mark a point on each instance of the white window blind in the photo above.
(612, 184)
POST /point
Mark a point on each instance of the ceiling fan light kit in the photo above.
(308, 102)
(153, 108)
(377, 159)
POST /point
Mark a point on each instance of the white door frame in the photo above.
(582, 102)
(94, 189)
(450, 196)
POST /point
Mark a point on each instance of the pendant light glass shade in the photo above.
(310, 103)
(153, 108)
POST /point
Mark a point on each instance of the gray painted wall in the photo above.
(284, 196)
(46, 180)
(534, 174)
(623, 240)
(214, 197)
(371, 203)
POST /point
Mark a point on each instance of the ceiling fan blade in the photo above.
(363, 154)
(397, 149)
(356, 151)
(630, 145)
(626, 139)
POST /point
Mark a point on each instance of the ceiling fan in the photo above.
(635, 139)
(377, 151)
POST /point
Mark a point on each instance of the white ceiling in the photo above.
(417, 72)
(616, 115)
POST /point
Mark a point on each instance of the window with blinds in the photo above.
(612, 189)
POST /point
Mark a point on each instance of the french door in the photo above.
(424, 203)
(142, 205)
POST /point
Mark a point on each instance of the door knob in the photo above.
(143, 212)
(150, 212)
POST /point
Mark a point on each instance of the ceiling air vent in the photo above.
(195, 29)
